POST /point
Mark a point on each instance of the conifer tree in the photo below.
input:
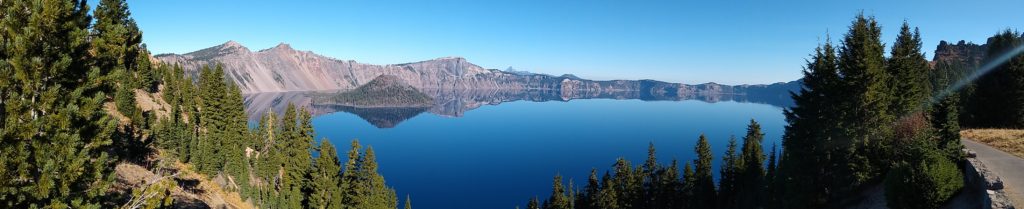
(591, 192)
(909, 70)
(558, 199)
(651, 183)
(751, 177)
(235, 136)
(572, 194)
(296, 148)
(174, 135)
(669, 191)
(704, 184)
(650, 166)
(351, 188)
(327, 179)
(813, 130)
(190, 111)
(54, 134)
(267, 161)
(378, 195)
(149, 76)
(689, 180)
(866, 99)
(627, 185)
(945, 118)
(944, 74)
(771, 174)
(608, 197)
(408, 202)
(729, 174)
(307, 144)
(998, 100)
(533, 204)
(117, 43)
(124, 98)
(213, 120)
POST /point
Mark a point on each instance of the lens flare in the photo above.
(984, 69)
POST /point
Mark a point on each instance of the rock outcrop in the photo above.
(970, 54)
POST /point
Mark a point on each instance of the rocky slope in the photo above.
(281, 69)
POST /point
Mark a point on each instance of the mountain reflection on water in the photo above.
(455, 103)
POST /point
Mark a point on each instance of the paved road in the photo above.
(1009, 168)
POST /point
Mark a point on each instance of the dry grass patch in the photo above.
(1008, 140)
(209, 192)
(111, 109)
(152, 102)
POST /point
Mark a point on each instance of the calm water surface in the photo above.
(498, 156)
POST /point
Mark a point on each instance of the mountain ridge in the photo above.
(283, 69)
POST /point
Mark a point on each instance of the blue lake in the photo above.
(499, 154)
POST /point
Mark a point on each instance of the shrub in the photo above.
(924, 181)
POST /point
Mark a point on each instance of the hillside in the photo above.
(383, 91)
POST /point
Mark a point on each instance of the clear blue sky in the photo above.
(730, 42)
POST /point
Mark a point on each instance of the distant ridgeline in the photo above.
(385, 110)
(281, 69)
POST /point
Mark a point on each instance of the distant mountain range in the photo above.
(283, 69)
(456, 102)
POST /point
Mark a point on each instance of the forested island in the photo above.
(382, 91)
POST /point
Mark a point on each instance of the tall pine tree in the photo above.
(213, 120)
(866, 99)
(327, 179)
(812, 131)
(54, 134)
(909, 70)
(235, 138)
(704, 195)
(750, 184)
(117, 42)
(558, 198)
(352, 190)
(378, 195)
(729, 171)
(945, 116)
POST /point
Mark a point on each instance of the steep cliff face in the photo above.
(282, 69)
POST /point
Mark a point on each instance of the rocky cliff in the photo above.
(282, 69)
(970, 54)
